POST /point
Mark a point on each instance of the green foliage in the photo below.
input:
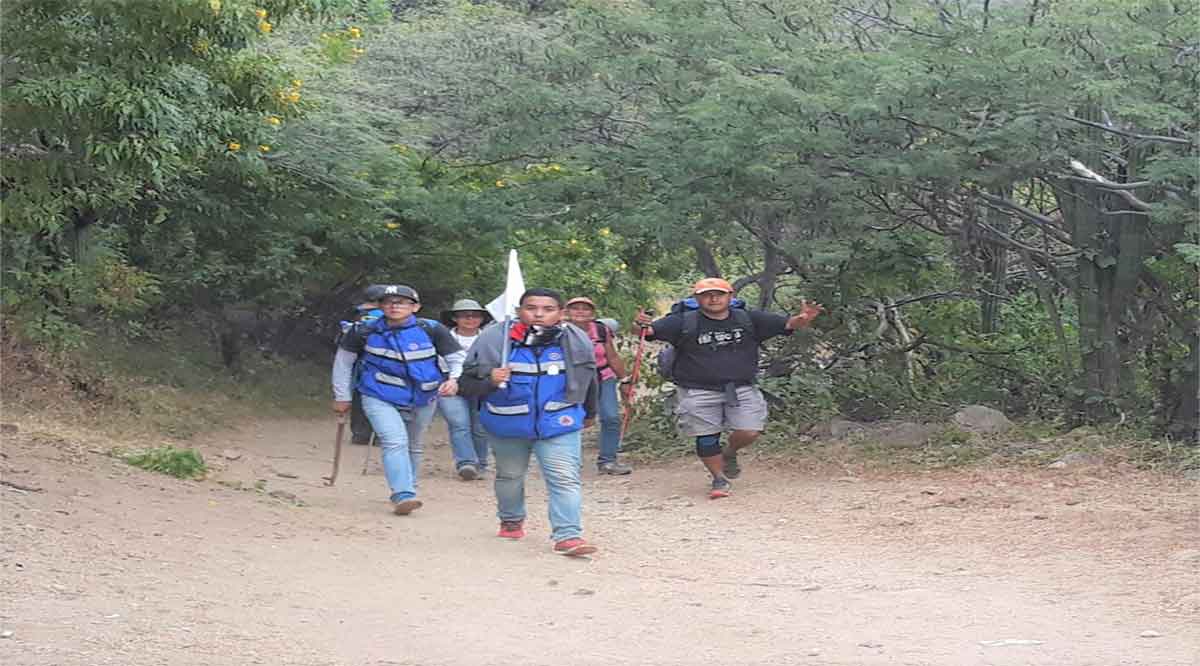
(914, 172)
(179, 463)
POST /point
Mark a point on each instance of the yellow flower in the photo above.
(400, 148)
(297, 83)
(574, 242)
(392, 225)
(215, 6)
(200, 46)
(293, 97)
(261, 14)
(264, 27)
(623, 266)
(605, 231)
(358, 52)
(355, 33)
(500, 183)
(555, 167)
(235, 146)
(274, 120)
(263, 148)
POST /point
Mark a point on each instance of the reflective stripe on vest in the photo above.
(409, 356)
(551, 368)
(509, 410)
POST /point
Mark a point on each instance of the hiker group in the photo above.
(529, 387)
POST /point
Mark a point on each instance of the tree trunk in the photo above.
(1046, 294)
(1112, 249)
(772, 265)
(706, 261)
(995, 268)
(1183, 418)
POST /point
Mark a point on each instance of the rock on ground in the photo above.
(978, 418)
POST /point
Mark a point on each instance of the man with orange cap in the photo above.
(714, 367)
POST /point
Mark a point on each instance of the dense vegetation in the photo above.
(996, 201)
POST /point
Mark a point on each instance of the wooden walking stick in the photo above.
(633, 380)
(367, 457)
(337, 448)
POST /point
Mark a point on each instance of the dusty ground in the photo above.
(112, 565)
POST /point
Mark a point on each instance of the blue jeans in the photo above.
(468, 439)
(399, 432)
(560, 459)
(610, 422)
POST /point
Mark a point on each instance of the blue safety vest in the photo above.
(533, 405)
(400, 365)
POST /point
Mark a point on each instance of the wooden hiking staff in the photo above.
(367, 457)
(634, 375)
(337, 448)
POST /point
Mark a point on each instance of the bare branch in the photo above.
(1110, 186)
(1051, 225)
(1131, 135)
(1100, 181)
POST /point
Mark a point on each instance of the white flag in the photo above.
(505, 305)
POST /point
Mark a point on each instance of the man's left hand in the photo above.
(448, 388)
(587, 423)
(808, 312)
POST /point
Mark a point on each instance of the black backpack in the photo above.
(691, 323)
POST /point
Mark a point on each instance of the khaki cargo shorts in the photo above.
(702, 412)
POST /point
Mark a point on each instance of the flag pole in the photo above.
(505, 304)
(507, 347)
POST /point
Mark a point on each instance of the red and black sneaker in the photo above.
(511, 529)
(575, 547)
(721, 487)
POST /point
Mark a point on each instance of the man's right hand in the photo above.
(643, 319)
(501, 375)
(340, 407)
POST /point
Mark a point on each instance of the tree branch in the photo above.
(1048, 223)
(1130, 135)
(1100, 181)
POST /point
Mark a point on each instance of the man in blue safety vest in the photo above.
(536, 401)
(400, 378)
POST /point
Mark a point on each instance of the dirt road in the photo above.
(112, 565)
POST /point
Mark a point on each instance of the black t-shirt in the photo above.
(721, 350)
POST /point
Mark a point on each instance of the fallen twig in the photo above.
(17, 486)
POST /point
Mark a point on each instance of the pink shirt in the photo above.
(602, 366)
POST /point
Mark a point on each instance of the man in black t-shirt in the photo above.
(716, 360)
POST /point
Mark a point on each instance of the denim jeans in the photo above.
(399, 432)
(560, 459)
(468, 439)
(610, 422)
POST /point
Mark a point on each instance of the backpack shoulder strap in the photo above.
(429, 326)
(742, 317)
(691, 323)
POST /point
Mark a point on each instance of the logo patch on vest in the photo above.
(414, 346)
(555, 356)
(566, 420)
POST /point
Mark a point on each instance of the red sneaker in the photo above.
(574, 547)
(512, 529)
(721, 487)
